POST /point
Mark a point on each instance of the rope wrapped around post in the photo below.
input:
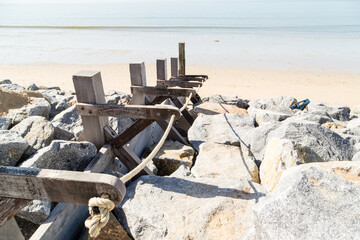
(100, 208)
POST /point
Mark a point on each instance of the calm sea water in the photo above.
(282, 34)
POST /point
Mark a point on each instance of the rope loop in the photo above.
(99, 209)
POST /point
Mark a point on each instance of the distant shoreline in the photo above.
(326, 87)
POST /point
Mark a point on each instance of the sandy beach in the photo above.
(327, 87)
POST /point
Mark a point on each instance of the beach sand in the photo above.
(326, 87)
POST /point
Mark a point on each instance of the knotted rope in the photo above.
(100, 207)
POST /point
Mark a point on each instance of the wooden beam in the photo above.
(66, 220)
(185, 112)
(130, 159)
(182, 59)
(185, 78)
(58, 185)
(174, 67)
(178, 83)
(89, 89)
(196, 76)
(130, 133)
(159, 91)
(138, 78)
(161, 69)
(10, 207)
(128, 111)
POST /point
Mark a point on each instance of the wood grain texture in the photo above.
(179, 83)
(89, 89)
(185, 112)
(10, 207)
(181, 59)
(163, 91)
(174, 62)
(130, 133)
(66, 220)
(58, 185)
(161, 69)
(186, 78)
(128, 111)
(138, 78)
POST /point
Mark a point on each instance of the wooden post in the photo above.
(161, 69)
(182, 59)
(138, 78)
(89, 89)
(174, 67)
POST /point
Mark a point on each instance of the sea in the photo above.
(292, 35)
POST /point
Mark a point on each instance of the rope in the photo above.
(139, 167)
(99, 209)
(185, 105)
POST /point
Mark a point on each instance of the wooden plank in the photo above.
(128, 111)
(196, 99)
(196, 76)
(10, 207)
(58, 185)
(130, 133)
(130, 159)
(66, 220)
(159, 91)
(178, 83)
(89, 89)
(174, 67)
(161, 69)
(185, 112)
(182, 59)
(138, 78)
(185, 78)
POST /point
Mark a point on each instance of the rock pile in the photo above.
(254, 170)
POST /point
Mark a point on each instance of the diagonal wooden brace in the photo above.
(194, 78)
(58, 185)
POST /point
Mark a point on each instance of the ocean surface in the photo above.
(296, 35)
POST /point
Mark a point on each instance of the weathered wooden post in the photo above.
(138, 78)
(89, 89)
(182, 59)
(161, 69)
(174, 67)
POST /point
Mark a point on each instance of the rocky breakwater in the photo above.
(260, 172)
(39, 128)
(254, 169)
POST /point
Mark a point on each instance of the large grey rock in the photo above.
(222, 128)
(338, 112)
(170, 156)
(277, 104)
(37, 211)
(320, 117)
(12, 146)
(66, 123)
(58, 100)
(188, 208)
(281, 154)
(39, 107)
(115, 97)
(62, 155)
(6, 81)
(32, 87)
(256, 139)
(310, 203)
(263, 116)
(225, 162)
(11, 86)
(327, 144)
(224, 99)
(5, 123)
(37, 131)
